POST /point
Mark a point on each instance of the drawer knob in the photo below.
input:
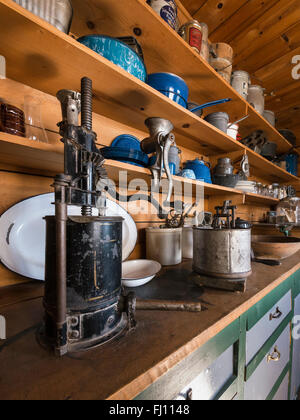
(274, 357)
(278, 314)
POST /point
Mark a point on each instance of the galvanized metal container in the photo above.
(58, 13)
(222, 253)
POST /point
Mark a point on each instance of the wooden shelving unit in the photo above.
(166, 51)
(48, 158)
(46, 59)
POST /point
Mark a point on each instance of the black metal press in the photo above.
(84, 306)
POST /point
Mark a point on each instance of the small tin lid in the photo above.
(193, 22)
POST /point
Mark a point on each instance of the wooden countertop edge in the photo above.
(141, 383)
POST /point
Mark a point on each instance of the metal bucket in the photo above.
(224, 253)
(58, 13)
(219, 120)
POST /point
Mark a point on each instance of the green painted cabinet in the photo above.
(253, 358)
(208, 373)
(295, 374)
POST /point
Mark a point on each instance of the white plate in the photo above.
(139, 272)
(23, 236)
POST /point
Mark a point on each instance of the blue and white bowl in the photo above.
(117, 52)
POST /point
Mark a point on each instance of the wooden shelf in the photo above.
(165, 50)
(25, 153)
(41, 56)
(44, 58)
(260, 200)
(48, 158)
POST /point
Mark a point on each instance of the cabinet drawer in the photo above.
(261, 382)
(212, 380)
(283, 392)
(263, 330)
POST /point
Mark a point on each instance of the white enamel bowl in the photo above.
(139, 272)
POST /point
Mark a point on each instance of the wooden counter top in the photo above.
(126, 367)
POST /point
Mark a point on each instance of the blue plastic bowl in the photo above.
(117, 52)
(170, 85)
(133, 157)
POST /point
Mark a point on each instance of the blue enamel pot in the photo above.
(117, 52)
(201, 170)
(170, 85)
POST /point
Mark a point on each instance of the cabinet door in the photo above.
(262, 381)
(212, 380)
(295, 384)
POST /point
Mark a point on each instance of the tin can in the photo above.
(166, 9)
(191, 32)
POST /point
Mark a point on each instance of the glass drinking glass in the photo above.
(34, 125)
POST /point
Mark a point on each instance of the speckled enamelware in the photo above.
(117, 52)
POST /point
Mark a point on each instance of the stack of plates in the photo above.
(246, 186)
(127, 149)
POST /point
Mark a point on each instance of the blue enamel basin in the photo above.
(117, 52)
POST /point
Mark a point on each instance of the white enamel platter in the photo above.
(23, 234)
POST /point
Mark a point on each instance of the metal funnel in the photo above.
(159, 126)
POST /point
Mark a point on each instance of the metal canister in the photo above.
(58, 13)
(240, 81)
(222, 253)
(166, 9)
(191, 32)
(256, 98)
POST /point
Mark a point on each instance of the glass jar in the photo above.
(34, 125)
(276, 189)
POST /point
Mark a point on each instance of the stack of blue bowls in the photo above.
(126, 148)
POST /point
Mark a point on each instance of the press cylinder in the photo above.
(94, 267)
